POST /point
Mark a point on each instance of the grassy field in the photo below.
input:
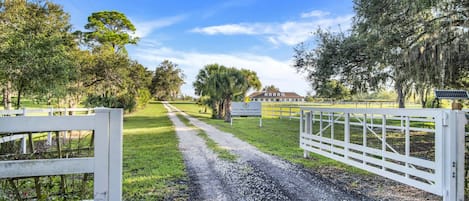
(153, 166)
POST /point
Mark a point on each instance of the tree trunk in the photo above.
(7, 96)
(18, 100)
(220, 110)
(228, 109)
(214, 109)
(400, 95)
(424, 98)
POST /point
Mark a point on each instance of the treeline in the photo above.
(413, 45)
(41, 58)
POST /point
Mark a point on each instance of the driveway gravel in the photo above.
(253, 176)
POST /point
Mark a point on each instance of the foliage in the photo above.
(415, 45)
(271, 88)
(167, 81)
(143, 98)
(111, 78)
(34, 49)
(333, 89)
(221, 85)
(110, 28)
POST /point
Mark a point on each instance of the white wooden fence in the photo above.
(362, 138)
(40, 112)
(106, 163)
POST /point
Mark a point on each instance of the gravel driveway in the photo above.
(253, 176)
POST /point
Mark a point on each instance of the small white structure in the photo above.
(249, 109)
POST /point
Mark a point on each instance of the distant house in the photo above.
(276, 96)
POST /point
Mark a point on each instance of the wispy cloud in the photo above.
(315, 13)
(288, 33)
(229, 29)
(144, 28)
(269, 70)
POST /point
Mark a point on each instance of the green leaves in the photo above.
(167, 81)
(415, 45)
(221, 85)
(112, 29)
(34, 46)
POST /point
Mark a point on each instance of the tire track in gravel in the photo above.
(217, 179)
(254, 176)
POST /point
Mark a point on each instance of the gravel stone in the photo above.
(253, 176)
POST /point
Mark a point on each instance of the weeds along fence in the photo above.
(61, 154)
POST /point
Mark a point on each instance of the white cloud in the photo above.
(288, 33)
(145, 28)
(269, 70)
(315, 13)
(228, 29)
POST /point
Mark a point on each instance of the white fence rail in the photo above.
(40, 112)
(421, 148)
(106, 163)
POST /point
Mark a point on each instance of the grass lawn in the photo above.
(153, 167)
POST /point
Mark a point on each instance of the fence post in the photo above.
(49, 134)
(115, 154)
(23, 140)
(280, 112)
(462, 121)
(346, 134)
(454, 157)
(101, 155)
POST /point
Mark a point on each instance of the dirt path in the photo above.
(254, 176)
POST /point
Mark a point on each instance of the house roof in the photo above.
(264, 94)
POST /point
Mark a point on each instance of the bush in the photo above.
(144, 97)
(127, 102)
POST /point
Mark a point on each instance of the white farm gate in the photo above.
(422, 148)
(106, 163)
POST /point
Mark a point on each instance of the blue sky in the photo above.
(255, 34)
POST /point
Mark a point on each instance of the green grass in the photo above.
(220, 151)
(193, 109)
(153, 167)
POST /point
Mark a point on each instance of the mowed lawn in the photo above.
(153, 167)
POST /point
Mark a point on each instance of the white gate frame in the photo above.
(446, 175)
(106, 163)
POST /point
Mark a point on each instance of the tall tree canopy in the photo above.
(415, 45)
(34, 49)
(110, 28)
(110, 79)
(221, 85)
(167, 81)
(270, 88)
